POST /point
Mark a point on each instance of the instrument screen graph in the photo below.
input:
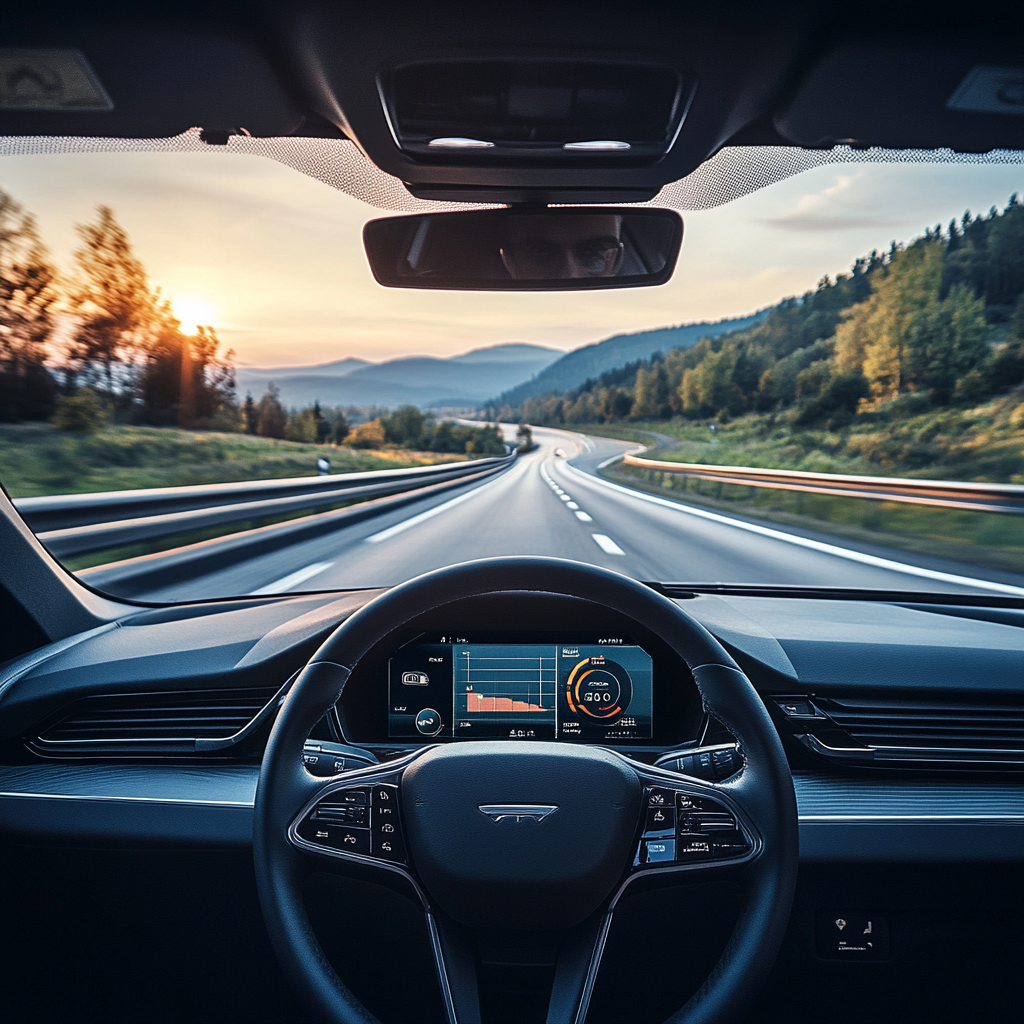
(506, 685)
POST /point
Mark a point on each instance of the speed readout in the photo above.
(605, 693)
(599, 689)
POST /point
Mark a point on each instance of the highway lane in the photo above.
(549, 504)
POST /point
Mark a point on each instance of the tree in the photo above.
(28, 297)
(947, 340)
(339, 427)
(111, 301)
(302, 426)
(404, 427)
(181, 379)
(368, 435)
(323, 425)
(250, 415)
(271, 418)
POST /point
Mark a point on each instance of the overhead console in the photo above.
(561, 112)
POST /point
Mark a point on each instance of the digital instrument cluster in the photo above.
(595, 688)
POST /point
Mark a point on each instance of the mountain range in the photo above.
(514, 372)
(462, 381)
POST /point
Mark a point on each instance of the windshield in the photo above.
(205, 393)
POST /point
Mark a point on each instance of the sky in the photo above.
(273, 260)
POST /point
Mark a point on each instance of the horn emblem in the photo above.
(517, 812)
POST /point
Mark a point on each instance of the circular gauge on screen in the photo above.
(599, 690)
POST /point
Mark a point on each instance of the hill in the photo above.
(425, 381)
(591, 360)
(913, 362)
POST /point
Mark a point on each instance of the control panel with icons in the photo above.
(594, 688)
(680, 828)
(361, 819)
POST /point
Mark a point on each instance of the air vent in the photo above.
(903, 734)
(541, 112)
(152, 723)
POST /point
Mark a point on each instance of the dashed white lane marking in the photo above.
(584, 518)
(293, 579)
(805, 542)
(571, 504)
(607, 545)
(564, 496)
(429, 514)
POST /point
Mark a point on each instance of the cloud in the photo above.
(814, 222)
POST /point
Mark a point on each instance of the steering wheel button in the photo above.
(685, 802)
(388, 846)
(343, 814)
(693, 847)
(337, 837)
(352, 796)
(659, 798)
(385, 796)
(660, 818)
(729, 844)
(659, 851)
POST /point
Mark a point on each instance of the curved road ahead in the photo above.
(554, 504)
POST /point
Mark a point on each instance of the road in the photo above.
(555, 504)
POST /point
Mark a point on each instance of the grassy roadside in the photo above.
(986, 539)
(37, 459)
(986, 443)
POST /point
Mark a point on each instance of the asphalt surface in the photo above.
(551, 502)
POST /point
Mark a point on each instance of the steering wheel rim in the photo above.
(763, 788)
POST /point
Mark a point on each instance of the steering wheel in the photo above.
(509, 834)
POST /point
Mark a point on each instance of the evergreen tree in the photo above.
(271, 418)
(250, 415)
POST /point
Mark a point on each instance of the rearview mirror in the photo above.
(530, 249)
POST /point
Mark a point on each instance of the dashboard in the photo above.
(589, 688)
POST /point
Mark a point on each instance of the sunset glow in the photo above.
(193, 313)
(274, 259)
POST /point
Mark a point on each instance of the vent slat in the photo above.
(971, 729)
(153, 718)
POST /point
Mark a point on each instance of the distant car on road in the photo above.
(560, 453)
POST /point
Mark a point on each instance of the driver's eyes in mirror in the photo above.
(532, 258)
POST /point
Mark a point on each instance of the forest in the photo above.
(101, 346)
(936, 324)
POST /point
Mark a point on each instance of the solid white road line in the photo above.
(429, 514)
(813, 545)
(607, 545)
(584, 518)
(293, 579)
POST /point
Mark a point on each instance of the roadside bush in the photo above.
(80, 413)
(368, 435)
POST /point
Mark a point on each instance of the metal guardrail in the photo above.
(967, 495)
(137, 577)
(64, 511)
(204, 507)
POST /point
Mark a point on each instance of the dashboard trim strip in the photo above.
(909, 819)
